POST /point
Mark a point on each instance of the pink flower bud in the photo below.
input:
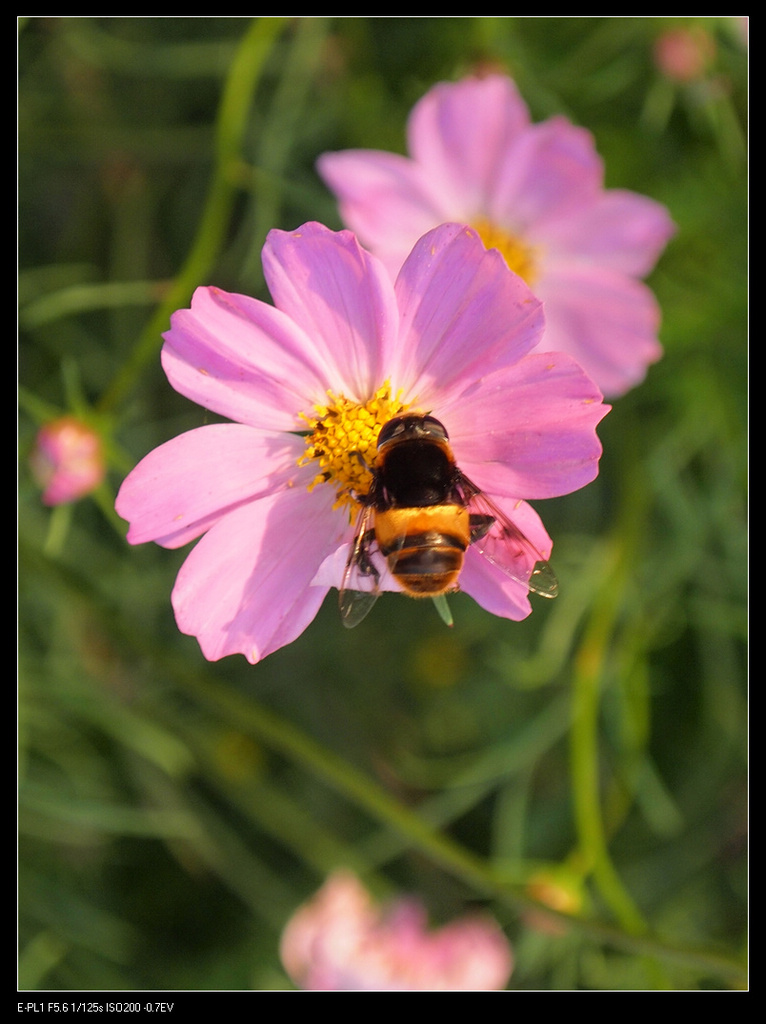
(684, 54)
(68, 460)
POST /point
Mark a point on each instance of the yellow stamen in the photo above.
(522, 259)
(343, 440)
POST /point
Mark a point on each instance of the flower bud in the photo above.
(68, 460)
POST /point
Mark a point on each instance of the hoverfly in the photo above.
(422, 513)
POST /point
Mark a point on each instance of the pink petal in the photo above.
(487, 585)
(179, 490)
(341, 297)
(378, 193)
(243, 359)
(330, 926)
(246, 587)
(468, 955)
(463, 314)
(621, 231)
(341, 940)
(552, 169)
(608, 322)
(330, 572)
(530, 429)
(458, 133)
(476, 157)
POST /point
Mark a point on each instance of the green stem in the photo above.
(591, 665)
(78, 298)
(231, 123)
(476, 872)
(252, 719)
(589, 671)
(280, 735)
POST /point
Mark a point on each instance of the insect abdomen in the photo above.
(424, 547)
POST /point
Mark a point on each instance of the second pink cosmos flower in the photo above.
(533, 191)
(308, 382)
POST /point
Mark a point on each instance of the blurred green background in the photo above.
(173, 813)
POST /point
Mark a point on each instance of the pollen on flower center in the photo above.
(343, 440)
(521, 258)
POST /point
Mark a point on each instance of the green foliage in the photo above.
(174, 813)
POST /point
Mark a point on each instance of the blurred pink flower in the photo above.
(342, 351)
(685, 53)
(535, 192)
(340, 940)
(68, 460)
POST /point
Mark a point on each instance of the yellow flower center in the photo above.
(521, 258)
(343, 440)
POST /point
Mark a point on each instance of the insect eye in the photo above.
(413, 427)
(435, 428)
(390, 429)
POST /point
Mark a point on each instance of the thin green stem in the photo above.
(476, 872)
(598, 653)
(79, 298)
(252, 719)
(589, 671)
(231, 124)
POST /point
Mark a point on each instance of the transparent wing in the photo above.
(360, 587)
(505, 546)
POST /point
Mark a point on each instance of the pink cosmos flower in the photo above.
(308, 383)
(535, 192)
(340, 940)
(68, 460)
